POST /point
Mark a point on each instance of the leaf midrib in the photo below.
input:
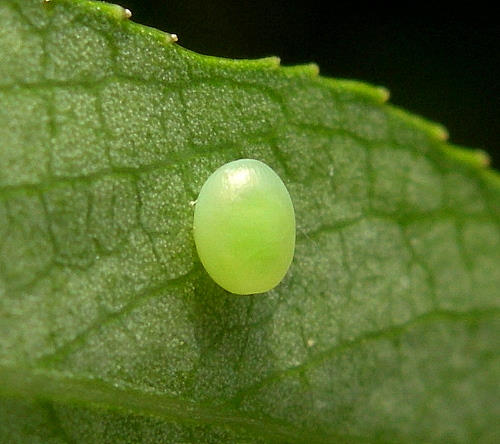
(91, 392)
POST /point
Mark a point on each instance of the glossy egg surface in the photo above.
(244, 227)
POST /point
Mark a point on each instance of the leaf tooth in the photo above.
(118, 12)
(115, 11)
(477, 158)
(275, 60)
(434, 130)
(379, 94)
(272, 62)
(385, 94)
(439, 131)
(307, 69)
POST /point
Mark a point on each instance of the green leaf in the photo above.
(386, 327)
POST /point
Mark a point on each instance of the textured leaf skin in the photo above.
(385, 329)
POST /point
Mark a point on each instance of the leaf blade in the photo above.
(108, 138)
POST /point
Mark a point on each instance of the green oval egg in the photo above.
(244, 227)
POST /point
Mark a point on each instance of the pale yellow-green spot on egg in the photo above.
(244, 227)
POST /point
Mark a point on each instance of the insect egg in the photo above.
(244, 227)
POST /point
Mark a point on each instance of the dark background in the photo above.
(445, 69)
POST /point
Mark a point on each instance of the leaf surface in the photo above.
(385, 328)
